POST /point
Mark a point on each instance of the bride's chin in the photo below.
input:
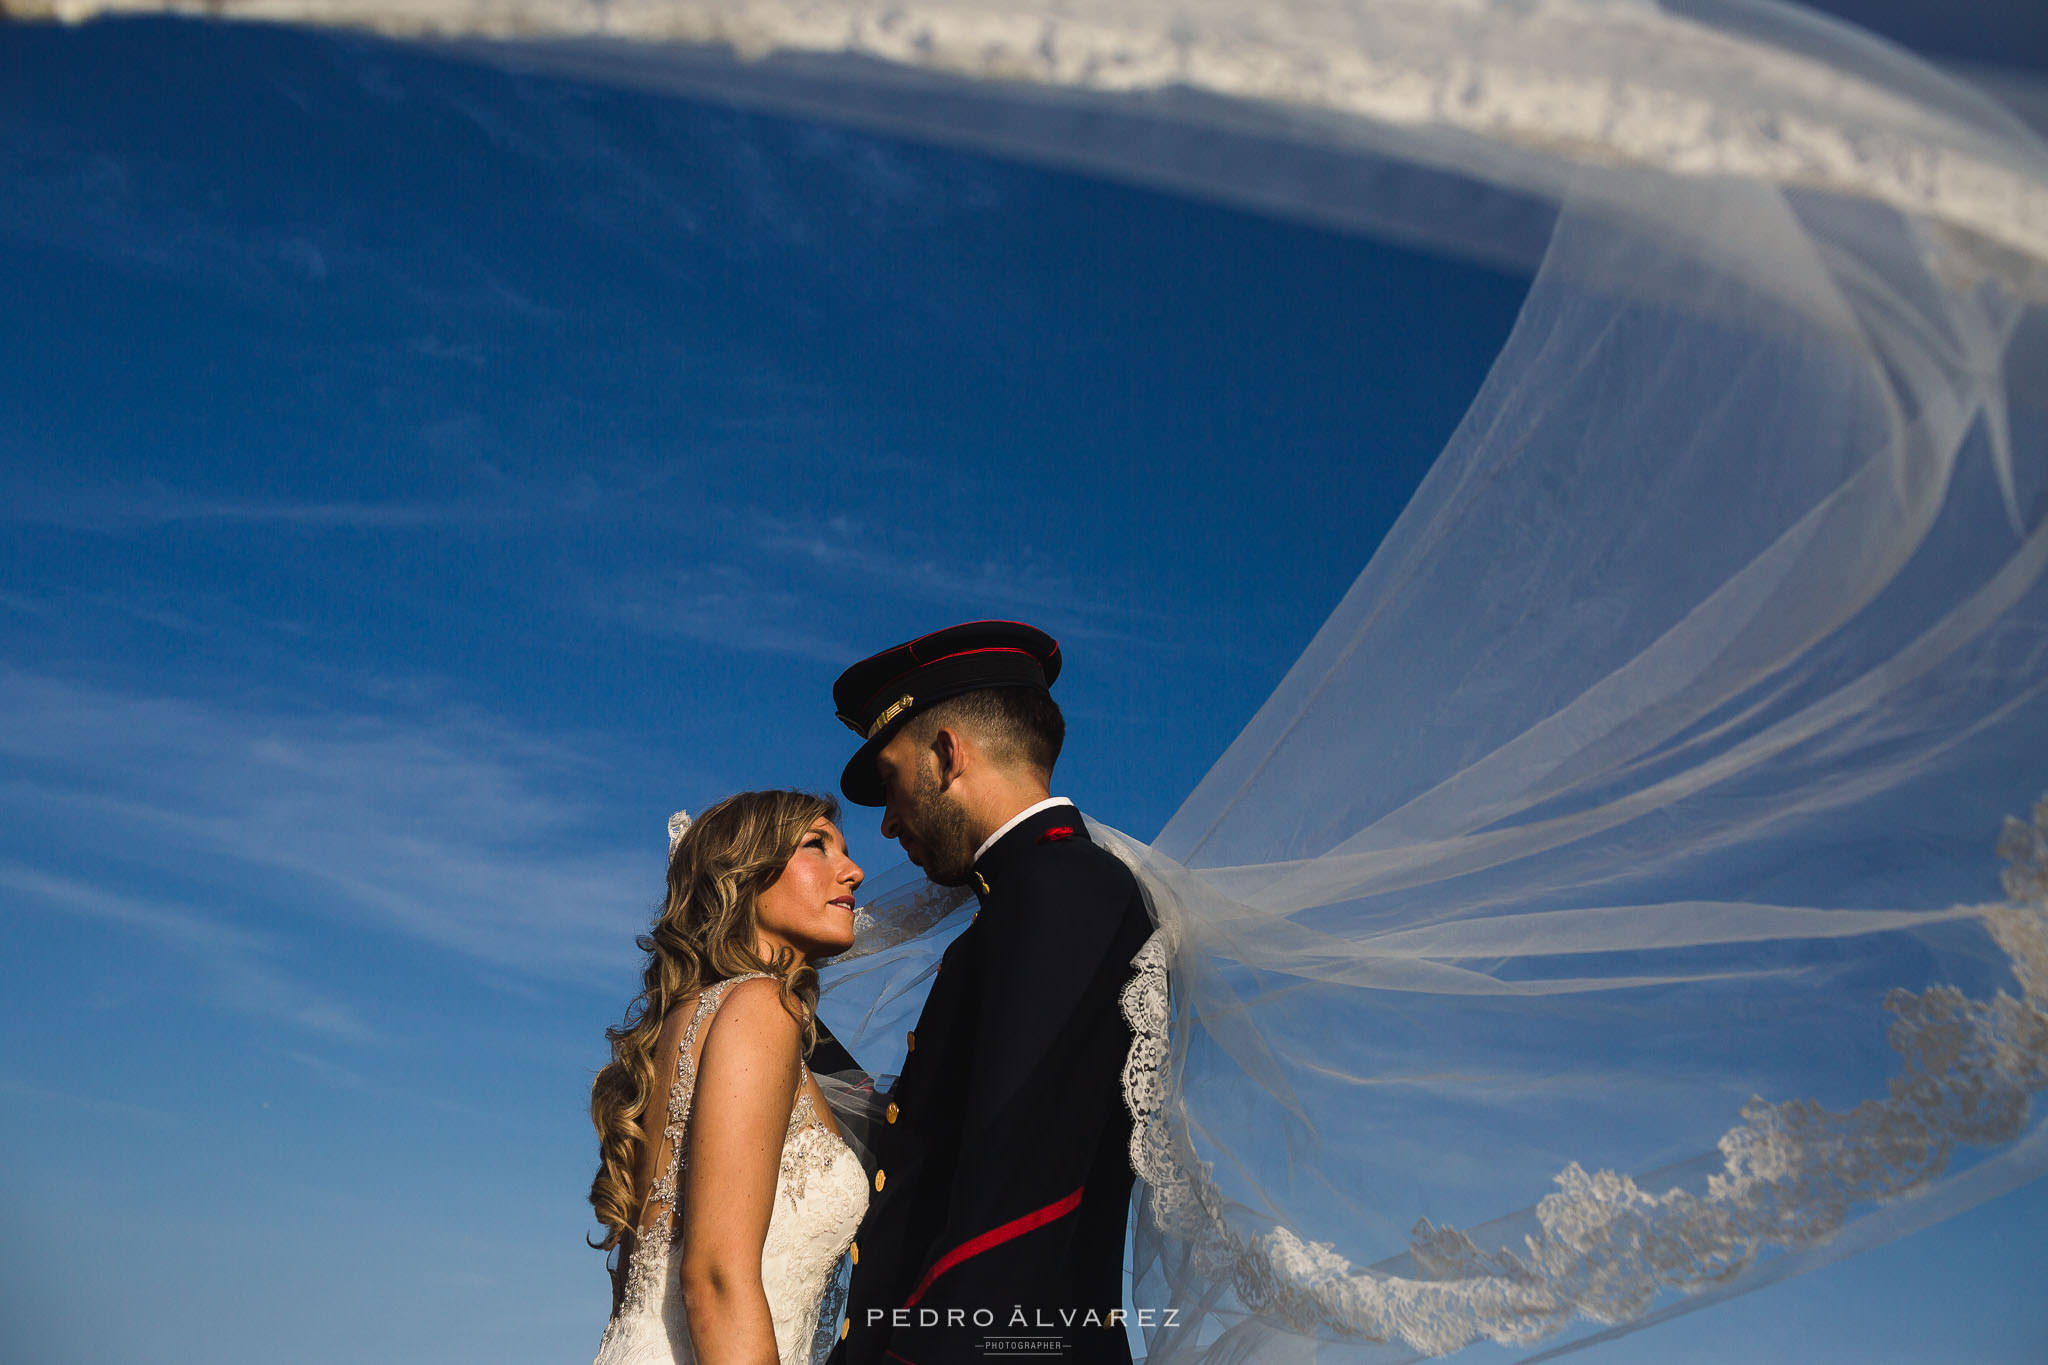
(831, 945)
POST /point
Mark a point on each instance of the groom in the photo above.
(995, 1224)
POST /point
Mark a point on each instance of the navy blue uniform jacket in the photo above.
(1003, 1176)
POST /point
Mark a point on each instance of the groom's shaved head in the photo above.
(1012, 725)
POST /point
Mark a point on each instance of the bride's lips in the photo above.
(843, 902)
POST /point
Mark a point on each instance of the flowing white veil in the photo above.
(1605, 913)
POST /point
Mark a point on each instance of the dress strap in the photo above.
(717, 989)
(657, 1214)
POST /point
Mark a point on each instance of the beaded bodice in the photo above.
(821, 1192)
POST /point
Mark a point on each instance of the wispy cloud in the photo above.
(782, 587)
(27, 604)
(70, 191)
(467, 353)
(170, 923)
(676, 184)
(122, 1110)
(172, 510)
(194, 613)
(685, 178)
(844, 551)
(329, 1071)
(449, 831)
(726, 606)
(153, 207)
(237, 967)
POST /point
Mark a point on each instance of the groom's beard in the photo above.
(944, 841)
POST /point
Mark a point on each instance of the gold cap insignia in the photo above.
(896, 709)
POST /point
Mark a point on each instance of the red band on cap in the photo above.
(1021, 625)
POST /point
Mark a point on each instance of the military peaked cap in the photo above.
(878, 695)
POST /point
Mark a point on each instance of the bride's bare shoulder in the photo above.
(746, 1078)
(752, 1016)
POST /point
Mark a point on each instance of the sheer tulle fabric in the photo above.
(1626, 848)
(1605, 914)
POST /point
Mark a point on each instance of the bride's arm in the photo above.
(746, 1084)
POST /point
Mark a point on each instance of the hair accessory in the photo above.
(678, 825)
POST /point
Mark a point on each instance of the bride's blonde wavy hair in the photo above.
(705, 933)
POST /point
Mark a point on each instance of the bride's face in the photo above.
(810, 906)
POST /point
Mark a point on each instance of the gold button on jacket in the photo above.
(878, 1180)
(891, 1112)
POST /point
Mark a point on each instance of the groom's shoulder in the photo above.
(1064, 863)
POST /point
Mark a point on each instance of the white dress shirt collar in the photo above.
(1019, 818)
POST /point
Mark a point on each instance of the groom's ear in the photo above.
(950, 755)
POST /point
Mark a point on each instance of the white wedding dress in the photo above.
(820, 1195)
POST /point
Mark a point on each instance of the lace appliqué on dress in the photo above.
(1606, 1247)
(802, 1154)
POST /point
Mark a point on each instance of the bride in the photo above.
(723, 1179)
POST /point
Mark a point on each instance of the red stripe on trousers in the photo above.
(993, 1238)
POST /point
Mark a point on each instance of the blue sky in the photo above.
(419, 480)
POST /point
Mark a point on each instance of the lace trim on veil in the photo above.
(1607, 1247)
(1633, 89)
(1147, 1008)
